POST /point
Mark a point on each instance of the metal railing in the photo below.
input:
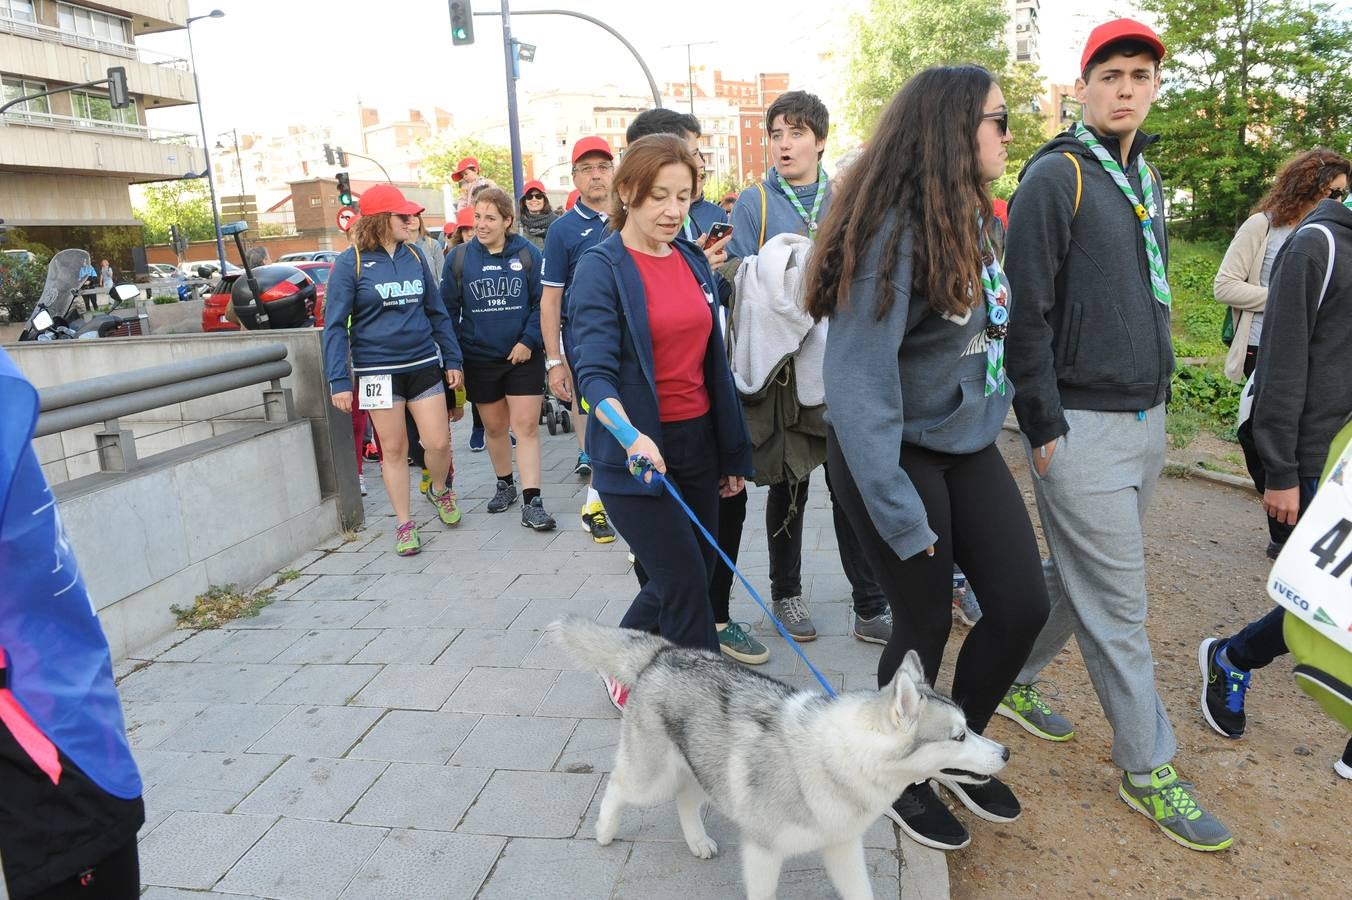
(106, 398)
(41, 32)
(19, 116)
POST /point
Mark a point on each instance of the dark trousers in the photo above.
(731, 518)
(1260, 642)
(784, 509)
(677, 560)
(116, 877)
(978, 513)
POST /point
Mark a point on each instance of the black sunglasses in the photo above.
(1001, 119)
(1338, 194)
(534, 196)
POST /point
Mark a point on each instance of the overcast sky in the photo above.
(269, 63)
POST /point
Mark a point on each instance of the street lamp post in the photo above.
(206, 152)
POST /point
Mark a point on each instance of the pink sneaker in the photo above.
(618, 693)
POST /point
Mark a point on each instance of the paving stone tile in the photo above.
(313, 788)
(340, 564)
(535, 562)
(514, 742)
(252, 646)
(406, 645)
(325, 646)
(149, 722)
(163, 800)
(540, 613)
(548, 653)
(837, 653)
(162, 893)
(204, 682)
(240, 772)
(338, 587)
(426, 865)
(390, 563)
(487, 647)
(638, 823)
(278, 867)
(411, 687)
(419, 796)
(557, 803)
(578, 695)
(614, 611)
(404, 613)
(410, 586)
(327, 731)
(194, 645)
(591, 748)
(496, 691)
(472, 611)
(323, 685)
(621, 586)
(157, 648)
(291, 614)
(411, 736)
(577, 870)
(193, 850)
(225, 727)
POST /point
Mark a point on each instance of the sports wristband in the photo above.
(623, 432)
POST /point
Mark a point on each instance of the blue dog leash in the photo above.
(639, 466)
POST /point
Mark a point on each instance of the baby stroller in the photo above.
(554, 414)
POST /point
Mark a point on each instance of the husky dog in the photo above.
(796, 770)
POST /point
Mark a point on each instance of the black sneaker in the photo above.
(926, 820)
(533, 515)
(1223, 690)
(505, 497)
(992, 800)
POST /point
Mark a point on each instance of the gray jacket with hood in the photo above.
(780, 215)
(1303, 384)
(1087, 332)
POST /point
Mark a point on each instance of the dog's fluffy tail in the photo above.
(621, 653)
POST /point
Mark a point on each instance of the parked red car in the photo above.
(218, 300)
(320, 272)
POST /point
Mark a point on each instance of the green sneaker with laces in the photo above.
(447, 510)
(406, 540)
(1024, 704)
(735, 640)
(1166, 801)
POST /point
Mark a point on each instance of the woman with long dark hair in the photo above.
(916, 394)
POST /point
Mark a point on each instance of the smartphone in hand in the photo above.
(719, 231)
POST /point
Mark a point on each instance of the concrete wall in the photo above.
(216, 512)
(65, 457)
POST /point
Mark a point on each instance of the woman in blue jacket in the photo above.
(492, 288)
(648, 356)
(384, 317)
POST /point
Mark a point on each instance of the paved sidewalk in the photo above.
(403, 728)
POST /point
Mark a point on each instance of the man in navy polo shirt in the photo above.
(571, 235)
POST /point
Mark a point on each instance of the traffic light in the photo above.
(328, 154)
(462, 23)
(118, 97)
(344, 189)
(341, 156)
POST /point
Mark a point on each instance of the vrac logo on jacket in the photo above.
(396, 293)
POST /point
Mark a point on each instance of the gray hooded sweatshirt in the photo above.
(780, 216)
(915, 377)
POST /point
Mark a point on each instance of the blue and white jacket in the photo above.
(388, 317)
(611, 354)
(495, 304)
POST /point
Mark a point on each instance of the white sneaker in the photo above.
(361, 483)
(1343, 769)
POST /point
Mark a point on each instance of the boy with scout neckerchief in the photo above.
(1090, 356)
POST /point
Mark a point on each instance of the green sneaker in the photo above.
(1024, 704)
(406, 541)
(447, 511)
(1167, 803)
(736, 641)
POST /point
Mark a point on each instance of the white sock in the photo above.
(592, 496)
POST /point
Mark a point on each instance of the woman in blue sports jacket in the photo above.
(491, 285)
(384, 317)
(648, 356)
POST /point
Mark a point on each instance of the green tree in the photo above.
(440, 159)
(185, 203)
(896, 39)
(1246, 84)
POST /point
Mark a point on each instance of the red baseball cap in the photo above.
(573, 197)
(466, 163)
(386, 198)
(591, 145)
(534, 186)
(464, 218)
(730, 195)
(1120, 30)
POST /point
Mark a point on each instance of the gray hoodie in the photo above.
(915, 378)
(1303, 384)
(780, 216)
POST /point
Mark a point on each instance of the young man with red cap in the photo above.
(571, 235)
(1090, 356)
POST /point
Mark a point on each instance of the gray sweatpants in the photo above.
(1092, 503)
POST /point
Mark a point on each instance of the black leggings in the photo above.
(976, 509)
(116, 877)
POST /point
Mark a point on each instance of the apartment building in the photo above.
(751, 98)
(1024, 32)
(66, 160)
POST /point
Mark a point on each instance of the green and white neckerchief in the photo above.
(997, 322)
(1145, 208)
(810, 219)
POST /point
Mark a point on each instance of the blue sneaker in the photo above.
(1223, 689)
(583, 466)
(476, 440)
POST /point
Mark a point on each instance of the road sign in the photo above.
(346, 216)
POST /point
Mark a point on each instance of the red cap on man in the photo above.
(1120, 30)
(591, 145)
(468, 162)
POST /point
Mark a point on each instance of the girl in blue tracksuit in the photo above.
(384, 317)
(492, 288)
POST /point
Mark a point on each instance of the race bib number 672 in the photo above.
(374, 392)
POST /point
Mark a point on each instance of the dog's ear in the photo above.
(904, 699)
(911, 666)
